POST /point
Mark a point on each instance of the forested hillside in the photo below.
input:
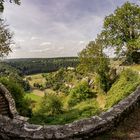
(41, 65)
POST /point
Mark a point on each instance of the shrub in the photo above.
(50, 105)
(80, 93)
(82, 110)
(88, 108)
(125, 84)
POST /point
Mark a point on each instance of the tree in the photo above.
(122, 29)
(11, 1)
(5, 39)
(93, 59)
(51, 105)
(80, 92)
(89, 57)
(5, 34)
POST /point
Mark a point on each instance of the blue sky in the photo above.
(54, 28)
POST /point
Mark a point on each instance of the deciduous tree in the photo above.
(5, 39)
(11, 1)
(122, 29)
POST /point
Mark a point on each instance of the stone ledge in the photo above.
(19, 129)
(9, 98)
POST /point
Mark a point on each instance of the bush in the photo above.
(82, 110)
(80, 93)
(126, 84)
(50, 105)
(88, 108)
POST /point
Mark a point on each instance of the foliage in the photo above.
(82, 100)
(80, 93)
(42, 65)
(83, 110)
(37, 85)
(62, 80)
(51, 105)
(34, 100)
(121, 29)
(14, 74)
(88, 108)
(135, 57)
(125, 84)
(2, 4)
(5, 39)
(93, 59)
(89, 57)
(17, 92)
(33, 97)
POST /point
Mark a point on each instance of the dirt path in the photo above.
(101, 100)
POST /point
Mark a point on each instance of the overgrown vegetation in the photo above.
(125, 84)
(82, 101)
(17, 92)
(77, 84)
(82, 110)
(81, 92)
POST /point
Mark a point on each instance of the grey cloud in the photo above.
(62, 24)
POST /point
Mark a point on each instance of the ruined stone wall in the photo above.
(17, 129)
(9, 99)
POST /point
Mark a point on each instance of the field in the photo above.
(135, 67)
(33, 97)
(35, 78)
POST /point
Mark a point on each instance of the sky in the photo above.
(56, 28)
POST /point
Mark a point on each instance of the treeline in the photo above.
(9, 72)
(42, 65)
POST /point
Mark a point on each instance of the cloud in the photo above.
(40, 50)
(21, 40)
(34, 38)
(14, 46)
(45, 43)
(69, 24)
(81, 42)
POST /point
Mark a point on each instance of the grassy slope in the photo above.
(135, 67)
(36, 78)
(81, 110)
(33, 97)
(129, 128)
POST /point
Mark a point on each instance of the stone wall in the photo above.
(9, 99)
(18, 129)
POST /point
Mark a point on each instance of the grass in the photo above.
(35, 100)
(38, 92)
(135, 67)
(80, 111)
(33, 97)
(36, 78)
(101, 99)
(126, 84)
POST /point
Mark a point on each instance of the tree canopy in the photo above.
(122, 29)
(11, 1)
(94, 60)
(5, 34)
(5, 39)
(92, 56)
